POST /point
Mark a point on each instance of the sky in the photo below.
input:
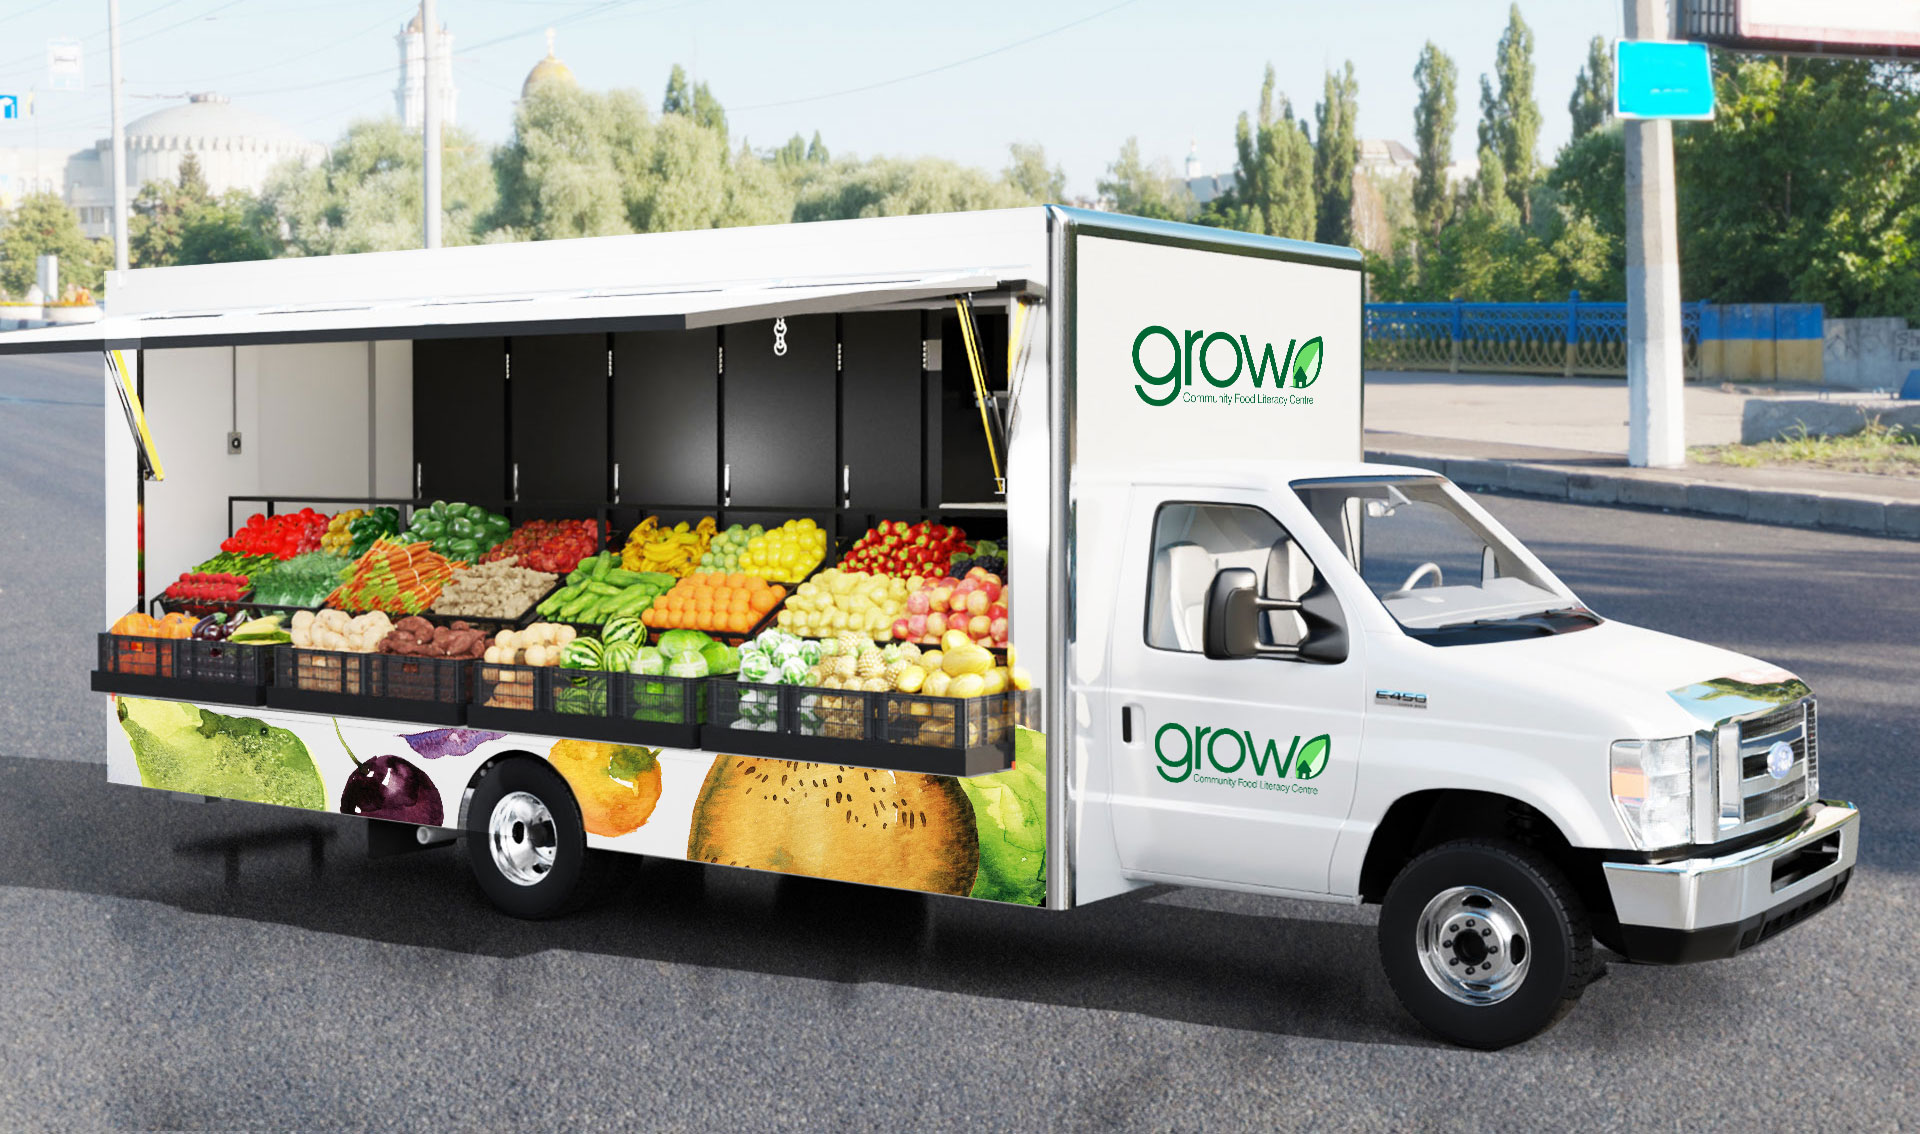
(873, 76)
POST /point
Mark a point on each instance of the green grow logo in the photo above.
(1221, 359)
(1184, 751)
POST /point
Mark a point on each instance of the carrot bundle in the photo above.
(394, 577)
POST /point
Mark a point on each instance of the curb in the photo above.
(1867, 515)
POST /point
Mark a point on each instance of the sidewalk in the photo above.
(1575, 435)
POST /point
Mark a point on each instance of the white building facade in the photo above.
(410, 96)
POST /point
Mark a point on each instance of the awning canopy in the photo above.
(545, 313)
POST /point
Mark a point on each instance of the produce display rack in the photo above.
(942, 736)
(183, 669)
(389, 686)
(622, 708)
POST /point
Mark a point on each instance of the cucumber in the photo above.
(621, 577)
(603, 589)
(602, 563)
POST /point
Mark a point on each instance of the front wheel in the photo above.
(526, 842)
(1485, 942)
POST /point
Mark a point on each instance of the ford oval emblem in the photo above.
(1780, 759)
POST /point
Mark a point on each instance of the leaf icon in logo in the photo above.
(1306, 364)
(1313, 758)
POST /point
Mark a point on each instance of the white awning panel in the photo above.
(547, 313)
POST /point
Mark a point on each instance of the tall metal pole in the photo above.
(430, 121)
(1656, 363)
(119, 138)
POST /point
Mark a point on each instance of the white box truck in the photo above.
(1258, 662)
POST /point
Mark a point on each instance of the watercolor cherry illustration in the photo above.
(389, 787)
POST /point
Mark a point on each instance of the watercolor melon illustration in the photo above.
(982, 837)
(184, 748)
(617, 785)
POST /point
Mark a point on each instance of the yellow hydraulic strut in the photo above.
(971, 336)
(136, 417)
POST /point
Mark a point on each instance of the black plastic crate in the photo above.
(875, 730)
(592, 704)
(183, 669)
(387, 686)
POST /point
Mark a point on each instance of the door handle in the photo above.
(1126, 724)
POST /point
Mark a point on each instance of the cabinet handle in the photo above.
(516, 480)
(416, 478)
(726, 486)
(616, 482)
(846, 486)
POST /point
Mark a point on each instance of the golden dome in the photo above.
(549, 69)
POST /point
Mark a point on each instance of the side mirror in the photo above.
(1231, 628)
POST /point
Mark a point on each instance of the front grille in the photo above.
(1813, 745)
(1763, 798)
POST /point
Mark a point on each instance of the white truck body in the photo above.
(1315, 733)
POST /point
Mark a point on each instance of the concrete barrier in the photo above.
(1869, 354)
(1762, 342)
(1775, 419)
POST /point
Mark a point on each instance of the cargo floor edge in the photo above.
(179, 689)
(881, 755)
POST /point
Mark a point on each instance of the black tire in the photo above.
(576, 874)
(1549, 964)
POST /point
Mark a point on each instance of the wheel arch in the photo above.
(480, 773)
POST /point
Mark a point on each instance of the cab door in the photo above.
(1230, 771)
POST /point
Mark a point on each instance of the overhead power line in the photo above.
(1005, 47)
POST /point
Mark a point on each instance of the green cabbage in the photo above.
(721, 658)
(649, 661)
(673, 642)
(687, 663)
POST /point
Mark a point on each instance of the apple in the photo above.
(979, 626)
(917, 603)
(977, 603)
(936, 624)
(941, 596)
(958, 603)
(992, 589)
(901, 629)
(998, 628)
(997, 610)
(916, 627)
(979, 573)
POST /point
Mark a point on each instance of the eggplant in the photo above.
(212, 628)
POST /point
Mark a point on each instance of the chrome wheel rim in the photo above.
(521, 834)
(1473, 945)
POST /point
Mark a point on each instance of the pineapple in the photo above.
(894, 670)
(890, 653)
(852, 642)
(909, 651)
(875, 685)
(871, 664)
(844, 667)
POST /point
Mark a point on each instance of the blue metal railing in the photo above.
(1531, 338)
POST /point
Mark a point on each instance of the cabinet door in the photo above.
(460, 419)
(558, 392)
(880, 410)
(779, 432)
(666, 417)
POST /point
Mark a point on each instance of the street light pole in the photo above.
(1656, 363)
(430, 122)
(119, 138)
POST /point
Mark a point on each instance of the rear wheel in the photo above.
(527, 844)
(1485, 942)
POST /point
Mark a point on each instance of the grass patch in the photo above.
(1884, 449)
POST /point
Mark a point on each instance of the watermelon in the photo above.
(617, 656)
(582, 653)
(624, 628)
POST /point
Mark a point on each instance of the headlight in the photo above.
(1653, 790)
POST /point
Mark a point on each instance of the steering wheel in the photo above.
(1422, 571)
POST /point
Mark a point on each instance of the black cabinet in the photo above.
(779, 402)
(880, 410)
(460, 419)
(557, 391)
(666, 417)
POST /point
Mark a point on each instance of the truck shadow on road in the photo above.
(1243, 962)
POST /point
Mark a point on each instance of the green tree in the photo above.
(1144, 189)
(575, 165)
(695, 101)
(227, 229)
(887, 187)
(1592, 103)
(1436, 78)
(1335, 120)
(817, 150)
(42, 224)
(159, 214)
(1509, 117)
(1587, 177)
(1030, 176)
(1273, 185)
(366, 195)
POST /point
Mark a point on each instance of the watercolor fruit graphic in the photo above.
(181, 747)
(617, 785)
(389, 787)
(1011, 810)
(899, 829)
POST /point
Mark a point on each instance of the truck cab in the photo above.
(1350, 682)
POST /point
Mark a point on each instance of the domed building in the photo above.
(548, 70)
(410, 96)
(237, 149)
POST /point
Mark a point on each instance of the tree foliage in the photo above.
(1433, 116)
(41, 224)
(1509, 118)
(1144, 189)
(1029, 175)
(366, 195)
(182, 222)
(1592, 103)
(1273, 184)
(1336, 124)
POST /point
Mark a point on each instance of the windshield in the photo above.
(1429, 559)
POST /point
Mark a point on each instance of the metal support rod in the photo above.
(1656, 359)
(119, 139)
(430, 121)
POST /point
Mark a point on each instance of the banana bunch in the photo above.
(671, 551)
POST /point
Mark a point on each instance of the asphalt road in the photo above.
(233, 966)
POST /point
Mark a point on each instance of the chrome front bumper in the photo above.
(1702, 908)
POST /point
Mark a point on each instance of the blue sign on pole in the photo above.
(1662, 79)
(9, 106)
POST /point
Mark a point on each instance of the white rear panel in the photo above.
(1185, 354)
